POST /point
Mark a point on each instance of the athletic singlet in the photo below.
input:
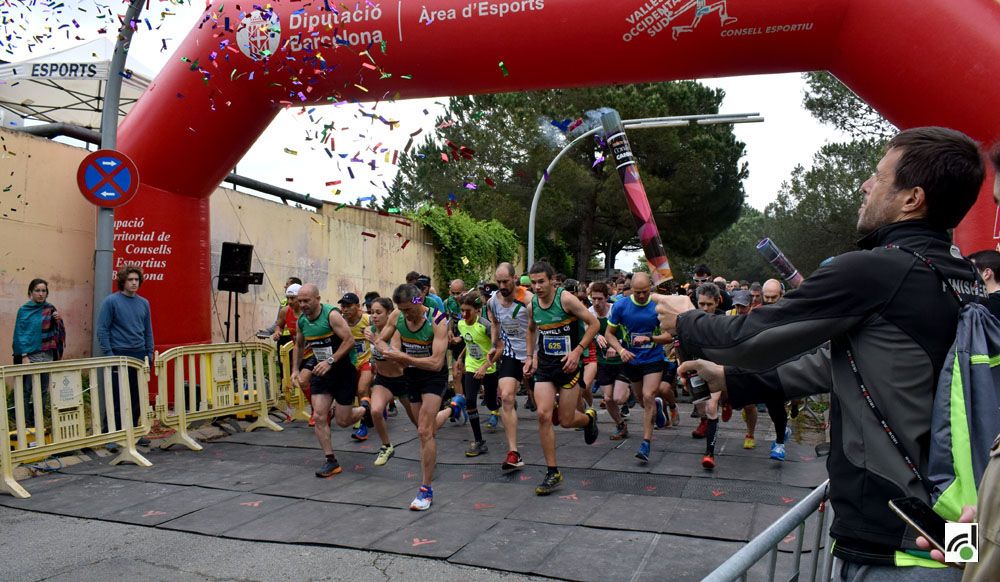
(513, 321)
(477, 344)
(376, 353)
(320, 340)
(420, 343)
(633, 319)
(291, 323)
(362, 349)
(560, 332)
(602, 355)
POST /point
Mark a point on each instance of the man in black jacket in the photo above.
(879, 308)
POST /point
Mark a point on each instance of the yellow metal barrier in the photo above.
(212, 381)
(294, 398)
(66, 428)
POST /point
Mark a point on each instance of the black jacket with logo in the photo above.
(894, 314)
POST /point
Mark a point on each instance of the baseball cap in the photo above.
(741, 298)
(525, 280)
(350, 298)
(293, 290)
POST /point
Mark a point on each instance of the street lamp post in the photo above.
(645, 123)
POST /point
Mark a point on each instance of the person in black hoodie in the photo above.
(879, 309)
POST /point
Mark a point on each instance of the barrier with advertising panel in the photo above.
(212, 381)
(58, 407)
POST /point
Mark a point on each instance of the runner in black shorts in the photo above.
(423, 342)
(509, 311)
(389, 382)
(555, 314)
(323, 335)
(609, 364)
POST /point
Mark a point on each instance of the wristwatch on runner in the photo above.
(330, 361)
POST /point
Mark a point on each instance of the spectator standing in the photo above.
(39, 334)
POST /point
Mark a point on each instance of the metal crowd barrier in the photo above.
(739, 564)
(212, 381)
(294, 398)
(74, 390)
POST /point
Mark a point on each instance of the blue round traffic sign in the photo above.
(107, 178)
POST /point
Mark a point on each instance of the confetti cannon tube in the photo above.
(635, 195)
(773, 255)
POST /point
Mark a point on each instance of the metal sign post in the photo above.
(105, 247)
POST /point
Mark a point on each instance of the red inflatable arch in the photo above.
(919, 62)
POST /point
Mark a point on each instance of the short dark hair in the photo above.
(987, 259)
(599, 287)
(710, 290)
(405, 293)
(948, 166)
(703, 269)
(295, 281)
(125, 271)
(542, 267)
(755, 286)
(371, 296)
(36, 282)
(412, 277)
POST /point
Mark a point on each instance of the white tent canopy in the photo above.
(68, 85)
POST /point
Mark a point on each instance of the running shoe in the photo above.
(423, 500)
(312, 419)
(675, 417)
(457, 405)
(512, 462)
(777, 451)
(793, 410)
(361, 434)
(477, 448)
(631, 399)
(530, 405)
(708, 461)
(491, 422)
(749, 443)
(550, 483)
(661, 417)
(384, 454)
(643, 453)
(590, 431)
(329, 469)
(788, 433)
(625, 411)
(366, 403)
(699, 431)
(694, 412)
(621, 433)
(392, 411)
(727, 412)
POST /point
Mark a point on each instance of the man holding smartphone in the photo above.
(889, 325)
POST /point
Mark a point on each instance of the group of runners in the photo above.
(557, 340)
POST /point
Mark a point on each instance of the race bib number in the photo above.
(555, 345)
(322, 352)
(359, 346)
(512, 329)
(417, 350)
(475, 351)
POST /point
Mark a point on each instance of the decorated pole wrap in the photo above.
(773, 255)
(635, 195)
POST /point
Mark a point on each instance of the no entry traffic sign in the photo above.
(107, 178)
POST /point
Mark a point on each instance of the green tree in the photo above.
(496, 148)
(831, 102)
(468, 249)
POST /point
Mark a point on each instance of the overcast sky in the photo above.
(789, 135)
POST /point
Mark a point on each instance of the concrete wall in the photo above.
(47, 231)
